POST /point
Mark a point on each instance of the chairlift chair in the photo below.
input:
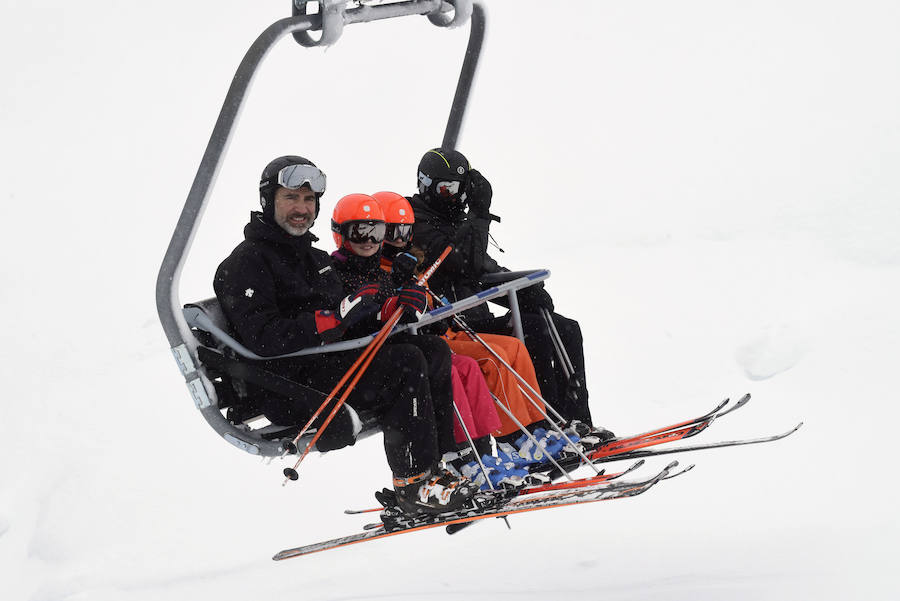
(224, 377)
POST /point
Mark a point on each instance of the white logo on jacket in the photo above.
(249, 292)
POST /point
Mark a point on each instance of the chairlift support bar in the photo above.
(333, 15)
(197, 317)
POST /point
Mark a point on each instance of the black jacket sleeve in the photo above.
(245, 287)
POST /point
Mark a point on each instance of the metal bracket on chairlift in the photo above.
(183, 359)
(330, 16)
(198, 393)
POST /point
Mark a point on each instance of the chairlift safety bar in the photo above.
(196, 317)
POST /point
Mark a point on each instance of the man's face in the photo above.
(295, 210)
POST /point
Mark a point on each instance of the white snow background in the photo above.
(714, 185)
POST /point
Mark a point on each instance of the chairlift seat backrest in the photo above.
(211, 327)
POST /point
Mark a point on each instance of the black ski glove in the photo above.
(403, 268)
(534, 298)
(355, 309)
(342, 430)
(478, 194)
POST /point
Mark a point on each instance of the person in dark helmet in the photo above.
(452, 206)
(280, 295)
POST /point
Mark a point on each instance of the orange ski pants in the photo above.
(500, 381)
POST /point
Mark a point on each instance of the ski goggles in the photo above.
(363, 231)
(398, 232)
(297, 176)
(448, 189)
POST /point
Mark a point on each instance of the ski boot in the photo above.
(454, 461)
(592, 437)
(502, 472)
(434, 493)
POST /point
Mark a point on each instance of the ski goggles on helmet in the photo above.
(362, 231)
(296, 176)
(398, 232)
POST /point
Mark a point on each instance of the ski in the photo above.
(454, 528)
(578, 482)
(696, 447)
(534, 501)
(618, 446)
(624, 448)
(677, 431)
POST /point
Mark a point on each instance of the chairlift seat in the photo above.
(240, 381)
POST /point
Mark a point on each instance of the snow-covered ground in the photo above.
(713, 184)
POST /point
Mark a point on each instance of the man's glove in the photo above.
(478, 194)
(341, 432)
(534, 298)
(354, 309)
(403, 268)
(412, 297)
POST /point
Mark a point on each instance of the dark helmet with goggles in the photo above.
(292, 172)
(442, 179)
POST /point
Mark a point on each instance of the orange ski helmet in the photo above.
(396, 208)
(397, 214)
(356, 218)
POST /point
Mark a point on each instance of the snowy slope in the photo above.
(712, 184)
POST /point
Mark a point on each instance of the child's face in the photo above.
(364, 249)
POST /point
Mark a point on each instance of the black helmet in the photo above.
(442, 177)
(275, 174)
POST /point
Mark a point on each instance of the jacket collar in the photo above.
(261, 229)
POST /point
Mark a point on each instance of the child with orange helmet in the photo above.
(358, 227)
(479, 414)
(399, 219)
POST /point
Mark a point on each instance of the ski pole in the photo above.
(530, 393)
(564, 360)
(557, 340)
(347, 375)
(293, 444)
(523, 382)
(477, 456)
(362, 357)
(533, 397)
(362, 363)
(532, 438)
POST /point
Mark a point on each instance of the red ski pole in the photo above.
(362, 362)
